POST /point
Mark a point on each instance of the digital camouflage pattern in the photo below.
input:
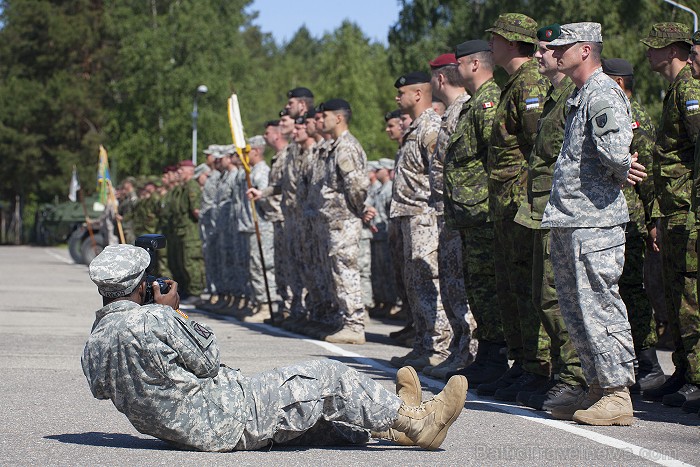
(594, 158)
(437, 162)
(587, 259)
(119, 269)
(587, 264)
(640, 199)
(548, 142)
(412, 177)
(465, 176)
(466, 207)
(664, 34)
(515, 27)
(383, 280)
(512, 138)
(227, 248)
(674, 163)
(209, 232)
(578, 32)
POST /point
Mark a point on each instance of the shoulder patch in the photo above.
(635, 125)
(601, 120)
(692, 105)
(487, 105)
(199, 333)
(532, 103)
(346, 164)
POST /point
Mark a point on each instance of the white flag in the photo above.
(74, 187)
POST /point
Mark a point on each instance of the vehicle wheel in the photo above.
(88, 252)
(75, 242)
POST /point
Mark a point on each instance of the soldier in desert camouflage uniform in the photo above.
(419, 224)
(162, 370)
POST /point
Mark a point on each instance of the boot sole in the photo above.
(620, 420)
(442, 434)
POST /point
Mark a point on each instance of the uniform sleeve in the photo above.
(612, 134)
(483, 125)
(643, 140)
(350, 163)
(188, 343)
(530, 107)
(689, 108)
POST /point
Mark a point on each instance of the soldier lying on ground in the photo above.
(161, 369)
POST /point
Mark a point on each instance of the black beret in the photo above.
(319, 108)
(415, 77)
(617, 67)
(272, 123)
(284, 112)
(300, 120)
(335, 104)
(311, 113)
(393, 114)
(549, 33)
(300, 92)
(471, 47)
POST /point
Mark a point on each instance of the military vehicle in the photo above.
(65, 222)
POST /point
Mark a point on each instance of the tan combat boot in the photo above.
(614, 408)
(584, 401)
(424, 360)
(409, 391)
(259, 314)
(346, 335)
(427, 424)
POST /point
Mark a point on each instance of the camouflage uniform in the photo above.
(225, 226)
(673, 178)
(451, 269)
(411, 193)
(365, 259)
(161, 369)
(512, 138)
(126, 210)
(259, 176)
(548, 142)
(271, 205)
(343, 193)
(586, 212)
(640, 199)
(383, 277)
(163, 227)
(187, 230)
(466, 207)
(207, 224)
(292, 226)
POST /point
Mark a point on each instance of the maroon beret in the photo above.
(185, 163)
(443, 60)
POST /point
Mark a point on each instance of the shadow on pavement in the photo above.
(112, 440)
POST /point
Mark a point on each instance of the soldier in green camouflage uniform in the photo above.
(466, 207)
(514, 127)
(673, 178)
(186, 228)
(161, 369)
(169, 180)
(568, 381)
(640, 199)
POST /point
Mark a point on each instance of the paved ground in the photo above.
(48, 416)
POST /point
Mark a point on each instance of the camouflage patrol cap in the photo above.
(201, 169)
(578, 32)
(515, 27)
(664, 34)
(373, 166)
(256, 141)
(119, 269)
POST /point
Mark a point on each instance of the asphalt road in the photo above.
(49, 417)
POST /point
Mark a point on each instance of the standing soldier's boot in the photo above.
(584, 401)
(614, 408)
(650, 374)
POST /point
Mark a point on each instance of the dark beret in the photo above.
(393, 114)
(185, 163)
(617, 67)
(169, 168)
(300, 120)
(414, 77)
(335, 104)
(319, 108)
(311, 113)
(549, 33)
(300, 92)
(471, 47)
(272, 123)
(283, 112)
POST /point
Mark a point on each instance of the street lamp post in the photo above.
(201, 89)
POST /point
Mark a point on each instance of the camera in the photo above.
(151, 243)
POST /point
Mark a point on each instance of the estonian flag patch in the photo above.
(532, 103)
(692, 105)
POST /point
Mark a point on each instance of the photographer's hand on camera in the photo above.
(172, 299)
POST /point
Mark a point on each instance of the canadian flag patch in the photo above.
(488, 105)
(635, 125)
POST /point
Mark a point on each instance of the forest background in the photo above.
(75, 74)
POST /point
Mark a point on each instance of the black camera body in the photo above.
(151, 243)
